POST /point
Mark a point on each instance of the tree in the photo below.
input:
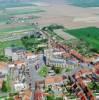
(57, 70)
(51, 92)
(4, 87)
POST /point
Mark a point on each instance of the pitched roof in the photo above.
(3, 65)
(29, 54)
(17, 98)
(19, 62)
(27, 94)
(53, 79)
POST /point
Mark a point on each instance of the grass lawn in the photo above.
(43, 71)
(68, 69)
(3, 45)
(90, 35)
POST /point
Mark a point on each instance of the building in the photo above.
(19, 64)
(15, 53)
(54, 80)
(20, 86)
(30, 55)
(96, 65)
(3, 68)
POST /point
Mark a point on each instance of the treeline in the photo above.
(53, 27)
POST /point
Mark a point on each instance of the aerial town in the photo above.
(49, 50)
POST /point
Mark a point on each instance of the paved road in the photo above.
(32, 75)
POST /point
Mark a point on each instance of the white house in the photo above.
(20, 86)
(30, 55)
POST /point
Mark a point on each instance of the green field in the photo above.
(3, 45)
(90, 35)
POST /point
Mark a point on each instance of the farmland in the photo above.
(90, 35)
(15, 29)
(18, 18)
(13, 4)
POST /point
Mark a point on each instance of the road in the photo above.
(31, 74)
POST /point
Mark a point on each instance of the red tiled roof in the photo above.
(3, 65)
(29, 54)
(19, 62)
(38, 95)
(76, 54)
(53, 79)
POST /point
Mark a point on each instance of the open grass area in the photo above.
(90, 35)
(43, 71)
(3, 45)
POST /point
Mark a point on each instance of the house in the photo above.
(53, 80)
(19, 64)
(96, 65)
(30, 55)
(17, 98)
(20, 86)
(38, 95)
(11, 65)
(3, 68)
(27, 94)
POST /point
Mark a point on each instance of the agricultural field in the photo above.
(14, 4)
(8, 13)
(63, 34)
(17, 29)
(90, 35)
(18, 17)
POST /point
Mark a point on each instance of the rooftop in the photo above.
(19, 62)
(53, 79)
(3, 65)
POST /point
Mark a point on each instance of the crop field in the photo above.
(17, 29)
(13, 4)
(90, 35)
(6, 14)
(16, 19)
(20, 18)
(63, 34)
